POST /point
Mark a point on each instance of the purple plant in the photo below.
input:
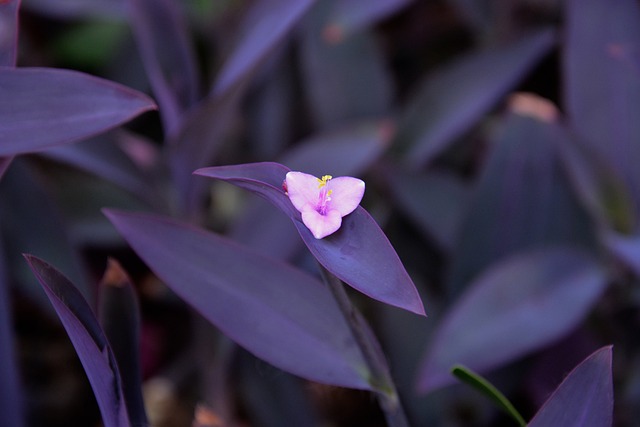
(499, 146)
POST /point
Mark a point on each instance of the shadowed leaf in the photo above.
(9, 32)
(454, 98)
(522, 304)
(602, 81)
(265, 24)
(119, 314)
(167, 53)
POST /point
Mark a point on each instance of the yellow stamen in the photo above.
(323, 181)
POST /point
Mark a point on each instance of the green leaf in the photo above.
(479, 383)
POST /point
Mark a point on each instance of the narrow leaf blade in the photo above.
(265, 24)
(479, 383)
(88, 339)
(585, 397)
(66, 105)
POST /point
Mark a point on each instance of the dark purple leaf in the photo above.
(119, 314)
(599, 185)
(34, 225)
(523, 200)
(4, 165)
(203, 132)
(9, 32)
(167, 53)
(42, 108)
(585, 397)
(10, 390)
(265, 24)
(352, 15)
(347, 151)
(345, 79)
(602, 81)
(87, 338)
(278, 313)
(457, 96)
(436, 202)
(73, 9)
(521, 304)
(359, 253)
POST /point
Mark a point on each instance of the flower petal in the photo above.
(321, 225)
(346, 193)
(302, 189)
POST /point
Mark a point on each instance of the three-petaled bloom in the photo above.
(323, 201)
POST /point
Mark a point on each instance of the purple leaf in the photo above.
(167, 53)
(602, 81)
(9, 32)
(521, 304)
(359, 253)
(10, 390)
(585, 397)
(87, 338)
(265, 24)
(275, 311)
(42, 108)
(522, 200)
(345, 79)
(457, 96)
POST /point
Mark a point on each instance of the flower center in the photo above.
(325, 194)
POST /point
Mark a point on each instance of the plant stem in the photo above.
(380, 377)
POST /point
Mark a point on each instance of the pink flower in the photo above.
(323, 201)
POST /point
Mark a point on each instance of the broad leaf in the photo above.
(585, 397)
(456, 97)
(602, 82)
(522, 304)
(167, 53)
(66, 105)
(278, 313)
(88, 339)
(359, 253)
(265, 24)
